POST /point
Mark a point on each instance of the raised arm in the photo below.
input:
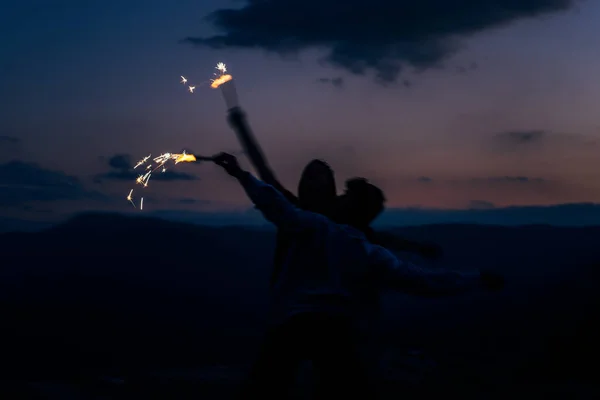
(409, 278)
(238, 122)
(273, 205)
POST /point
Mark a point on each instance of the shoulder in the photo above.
(381, 255)
(314, 220)
(348, 231)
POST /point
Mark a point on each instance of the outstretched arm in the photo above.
(396, 243)
(277, 208)
(410, 278)
(238, 122)
(272, 204)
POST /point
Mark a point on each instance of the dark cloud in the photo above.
(481, 205)
(379, 36)
(22, 183)
(37, 210)
(120, 161)
(122, 170)
(9, 139)
(336, 82)
(425, 179)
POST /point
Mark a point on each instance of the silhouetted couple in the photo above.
(327, 277)
(316, 192)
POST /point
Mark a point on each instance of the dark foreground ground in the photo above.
(111, 307)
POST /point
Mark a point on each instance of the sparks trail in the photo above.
(130, 197)
(221, 77)
(157, 163)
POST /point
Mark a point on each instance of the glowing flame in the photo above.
(220, 80)
(185, 158)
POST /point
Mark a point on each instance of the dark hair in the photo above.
(367, 199)
(319, 162)
(327, 195)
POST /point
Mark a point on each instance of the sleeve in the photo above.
(252, 149)
(397, 243)
(279, 210)
(403, 276)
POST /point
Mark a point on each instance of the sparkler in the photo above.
(225, 82)
(160, 162)
(222, 80)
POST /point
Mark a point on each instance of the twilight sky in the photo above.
(482, 104)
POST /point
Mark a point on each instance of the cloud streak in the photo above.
(9, 139)
(380, 36)
(22, 182)
(537, 139)
(335, 82)
(508, 179)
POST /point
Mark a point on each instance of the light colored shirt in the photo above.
(333, 268)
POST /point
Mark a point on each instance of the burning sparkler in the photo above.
(225, 82)
(222, 80)
(157, 163)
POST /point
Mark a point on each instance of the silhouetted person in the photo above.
(315, 189)
(330, 277)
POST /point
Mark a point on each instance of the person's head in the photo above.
(361, 203)
(316, 190)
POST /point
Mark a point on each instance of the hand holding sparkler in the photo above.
(229, 163)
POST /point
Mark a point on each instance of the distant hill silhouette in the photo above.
(109, 293)
(576, 214)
